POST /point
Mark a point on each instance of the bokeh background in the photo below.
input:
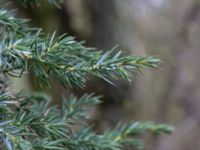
(169, 29)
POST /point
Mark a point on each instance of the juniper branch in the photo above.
(32, 120)
(68, 60)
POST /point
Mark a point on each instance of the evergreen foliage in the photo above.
(29, 122)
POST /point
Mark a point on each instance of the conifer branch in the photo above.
(69, 61)
(32, 120)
